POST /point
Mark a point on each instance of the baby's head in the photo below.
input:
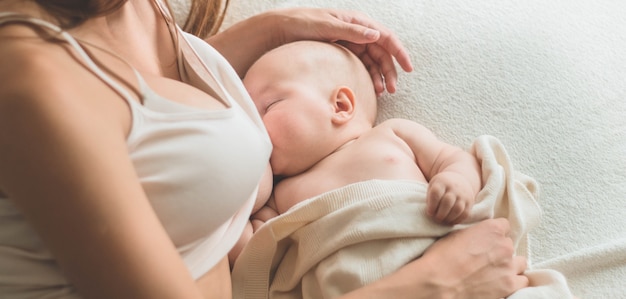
(313, 97)
(323, 66)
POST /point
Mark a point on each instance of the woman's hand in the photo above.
(372, 42)
(376, 45)
(476, 262)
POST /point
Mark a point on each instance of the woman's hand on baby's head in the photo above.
(450, 198)
(375, 44)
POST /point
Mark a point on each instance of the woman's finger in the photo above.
(372, 66)
(387, 68)
(375, 72)
(384, 37)
(520, 263)
(520, 282)
(392, 44)
(500, 226)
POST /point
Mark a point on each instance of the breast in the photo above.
(198, 172)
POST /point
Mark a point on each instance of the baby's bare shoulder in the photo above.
(400, 125)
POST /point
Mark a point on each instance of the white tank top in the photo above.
(200, 170)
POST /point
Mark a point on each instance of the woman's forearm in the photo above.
(244, 42)
(415, 280)
(375, 44)
(476, 262)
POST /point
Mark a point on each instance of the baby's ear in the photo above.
(343, 105)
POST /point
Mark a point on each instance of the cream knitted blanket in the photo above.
(346, 238)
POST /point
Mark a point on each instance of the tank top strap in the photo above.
(10, 17)
(190, 67)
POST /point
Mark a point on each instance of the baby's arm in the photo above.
(257, 219)
(453, 174)
(264, 214)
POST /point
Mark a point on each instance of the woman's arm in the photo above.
(65, 165)
(375, 44)
(476, 262)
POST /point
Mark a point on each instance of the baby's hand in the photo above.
(450, 198)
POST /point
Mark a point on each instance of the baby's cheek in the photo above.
(281, 131)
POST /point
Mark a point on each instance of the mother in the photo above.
(130, 154)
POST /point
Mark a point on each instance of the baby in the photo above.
(348, 194)
(318, 104)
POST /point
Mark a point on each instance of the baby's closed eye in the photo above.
(271, 104)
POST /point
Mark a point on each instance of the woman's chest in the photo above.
(197, 168)
(184, 94)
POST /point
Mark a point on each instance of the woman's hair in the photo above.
(71, 13)
(205, 16)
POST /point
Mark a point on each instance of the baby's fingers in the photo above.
(446, 204)
(458, 213)
(435, 193)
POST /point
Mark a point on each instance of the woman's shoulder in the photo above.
(29, 61)
(43, 70)
(43, 76)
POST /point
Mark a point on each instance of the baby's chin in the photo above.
(284, 168)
